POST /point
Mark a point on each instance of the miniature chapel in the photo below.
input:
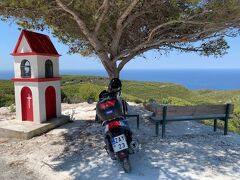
(36, 81)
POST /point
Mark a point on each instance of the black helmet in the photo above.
(103, 94)
(115, 84)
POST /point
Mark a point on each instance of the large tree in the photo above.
(120, 30)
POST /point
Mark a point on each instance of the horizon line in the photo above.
(7, 70)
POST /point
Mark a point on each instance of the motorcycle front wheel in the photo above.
(126, 165)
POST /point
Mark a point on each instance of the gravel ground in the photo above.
(14, 171)
(5, 114)
(75, 151)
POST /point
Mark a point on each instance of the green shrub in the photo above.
(89, 91)
(128, 97)
(83, 88)
(12, 108)
(237, 112)
(175, 101)
(151, 100)
(6, 99)
(63, 97)
(138, 101)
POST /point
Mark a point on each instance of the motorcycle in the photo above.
(117, 134)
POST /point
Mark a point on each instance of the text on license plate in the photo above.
(119, 143)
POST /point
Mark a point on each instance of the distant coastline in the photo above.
(193, 79)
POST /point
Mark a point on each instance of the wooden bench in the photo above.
(163, 114)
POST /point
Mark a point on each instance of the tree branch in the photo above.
(145, 46)
(100, 51)
(152, 33)
(130, 57)
(119, 26)
(70, 3)
(189, 49)
(105, 6)
(124, 62)
(126, 13)
(131, 18)
(82, 26)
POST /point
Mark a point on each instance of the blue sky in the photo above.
(9, 34)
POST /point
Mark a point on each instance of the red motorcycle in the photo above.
(117, 134)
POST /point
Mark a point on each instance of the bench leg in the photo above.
(164, 121)
(124, 107)
(226, 126)
(215, 125)
(163, 128)
(137, 121)
(157, 128)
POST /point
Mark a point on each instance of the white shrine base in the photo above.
(26, 130)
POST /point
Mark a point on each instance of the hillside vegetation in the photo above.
(6, 93)
(77, 89)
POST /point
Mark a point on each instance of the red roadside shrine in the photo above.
(36, 81)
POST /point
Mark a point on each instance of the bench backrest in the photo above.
(197, 110)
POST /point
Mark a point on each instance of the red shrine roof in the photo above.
(37, 44)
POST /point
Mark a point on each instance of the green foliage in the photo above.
(89, 91)
(175, 101)
(6, 93)
(237, 111)
(138, 101)
(151, 100)
(166, 93)
(82, 88)
(63, 97)
(117, 33)
(12, 108)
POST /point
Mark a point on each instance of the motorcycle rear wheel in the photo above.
(126, 165)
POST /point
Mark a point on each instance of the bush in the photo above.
(63, 96)
(138, 101)
(151, 100)
(6, 99)
(12, 108)
(237, 112)
(89, 91)
(66, 100)
(75, 93)
(175, 101)
(128, 98)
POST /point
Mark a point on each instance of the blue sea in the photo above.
(192, 79)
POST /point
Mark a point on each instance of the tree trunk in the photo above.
(114, 73)
(111, 69)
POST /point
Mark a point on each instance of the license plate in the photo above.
(119, 143)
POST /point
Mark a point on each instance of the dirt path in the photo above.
(14, 172)
(75, 151)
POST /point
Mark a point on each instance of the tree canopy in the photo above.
(120, 30)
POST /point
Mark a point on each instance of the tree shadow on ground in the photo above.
(190, 151)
